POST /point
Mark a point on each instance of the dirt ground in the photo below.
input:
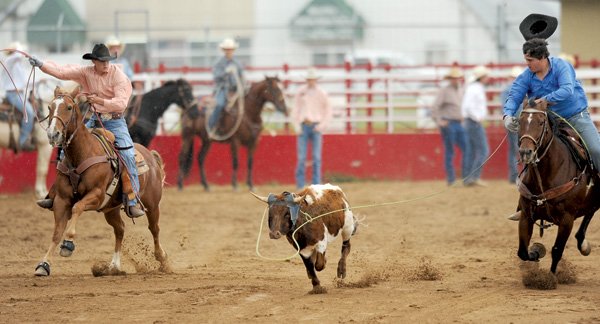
(436, 254)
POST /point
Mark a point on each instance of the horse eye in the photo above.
(69, 107)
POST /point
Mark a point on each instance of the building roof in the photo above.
(56, 23)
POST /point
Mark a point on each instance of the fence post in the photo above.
(286, 84)
(369, 98)
(348, 82)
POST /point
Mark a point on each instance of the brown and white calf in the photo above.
(289, 211)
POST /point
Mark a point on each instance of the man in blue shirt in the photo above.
(552, 80)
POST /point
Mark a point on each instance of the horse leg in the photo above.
(564, 230)
(185, 159)
(88, 201)
(250, 163)
(234, 162)
(205, 146)
(61, 217)
(159, 253)
(44, 151)
(582, 244)
(525, 232)
(113, 218)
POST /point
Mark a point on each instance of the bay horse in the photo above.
(557, 184)
(85, 177)
(43, 148)
(193, 123)
(143, 113)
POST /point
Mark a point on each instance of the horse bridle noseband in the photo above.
(539, 141)
(72, 118)
(181, 93)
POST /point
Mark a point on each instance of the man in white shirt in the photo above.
(474, 109)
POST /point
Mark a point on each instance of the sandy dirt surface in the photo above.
(458, 238)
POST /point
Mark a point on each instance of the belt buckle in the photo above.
(105, 116)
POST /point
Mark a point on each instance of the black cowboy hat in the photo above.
(100, 53)
(538, 26)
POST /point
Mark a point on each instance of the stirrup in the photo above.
(516, 216)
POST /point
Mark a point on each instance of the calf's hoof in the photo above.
(318, 289)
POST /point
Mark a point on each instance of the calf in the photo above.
(289, 211)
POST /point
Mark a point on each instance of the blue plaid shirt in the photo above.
(560, 87)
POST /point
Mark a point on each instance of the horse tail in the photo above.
(161, 164)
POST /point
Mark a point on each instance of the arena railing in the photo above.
(367, 99)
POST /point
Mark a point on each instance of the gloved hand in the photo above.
(511, 123)
(34, 61)
(230, 69)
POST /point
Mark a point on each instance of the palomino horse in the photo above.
(142, 115)
(557, 184)
(86, 174)
(43, 148)
(245, 130)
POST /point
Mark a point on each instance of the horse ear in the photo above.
(75, 92)
(57, 91)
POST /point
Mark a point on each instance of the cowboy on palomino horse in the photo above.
(551, 80)
(14, 83)
(108, 90)
(227, 74)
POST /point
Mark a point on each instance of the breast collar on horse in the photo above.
(288, 202)
(552, 193)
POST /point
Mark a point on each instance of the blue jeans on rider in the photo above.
(309, 134)
(221, 101)
(122, 139)
(513, 151)
(454, 134)
(16, 99)
(588, 132)
(478, 149)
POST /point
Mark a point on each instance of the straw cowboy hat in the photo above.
(16, 46)
(228, 43)
(112, 41)
(480, 71)
(516, 71)
(100, 52)
(538, 26)
(312, 74)
(454, 73)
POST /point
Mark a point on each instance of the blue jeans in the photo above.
(513, 151)
(589, 133)
(309, 134)
(221, 102)
(122, 139)
(17, 101)
(454, 134)
(479, 149)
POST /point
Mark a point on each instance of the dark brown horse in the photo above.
(557, 184)
(245, 130)
(85, 175)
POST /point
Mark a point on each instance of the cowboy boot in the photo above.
(134, 212)
(516, 216)
(48, 201)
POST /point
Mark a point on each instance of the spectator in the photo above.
(226, 82)
(311, 115)
(513, 141)
(446, 112)
(116, 48)
(475, 110)
(108, 90)
(15, 93)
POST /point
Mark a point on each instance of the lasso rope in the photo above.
(313, 218)
(29, 79)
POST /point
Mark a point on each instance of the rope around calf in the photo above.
(313, 218)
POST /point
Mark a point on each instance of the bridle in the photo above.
(537, 143)
(186, 104)
(72, 118)
(270, 90)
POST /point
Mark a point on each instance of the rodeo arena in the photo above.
(319, 161)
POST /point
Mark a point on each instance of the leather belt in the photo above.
(111, 116)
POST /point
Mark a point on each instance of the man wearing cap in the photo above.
(15, 93)
(446, 112)
(108, 90)
(310, 117)
(475, 110)
(224, 76)
(116, 48)
(552, 80)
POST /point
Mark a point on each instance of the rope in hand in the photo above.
(313, 218)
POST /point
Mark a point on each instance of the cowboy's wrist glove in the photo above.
(34, 61)
(511, 123)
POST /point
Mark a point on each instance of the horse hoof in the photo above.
(586, 248)
(42, 269)
(67, 248)
(537, 249)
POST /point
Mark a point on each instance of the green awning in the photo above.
(327, 20)
(56, 24)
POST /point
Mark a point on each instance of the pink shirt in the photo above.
(114, 87)
(311, 105)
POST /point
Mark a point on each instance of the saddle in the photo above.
(575, 144)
